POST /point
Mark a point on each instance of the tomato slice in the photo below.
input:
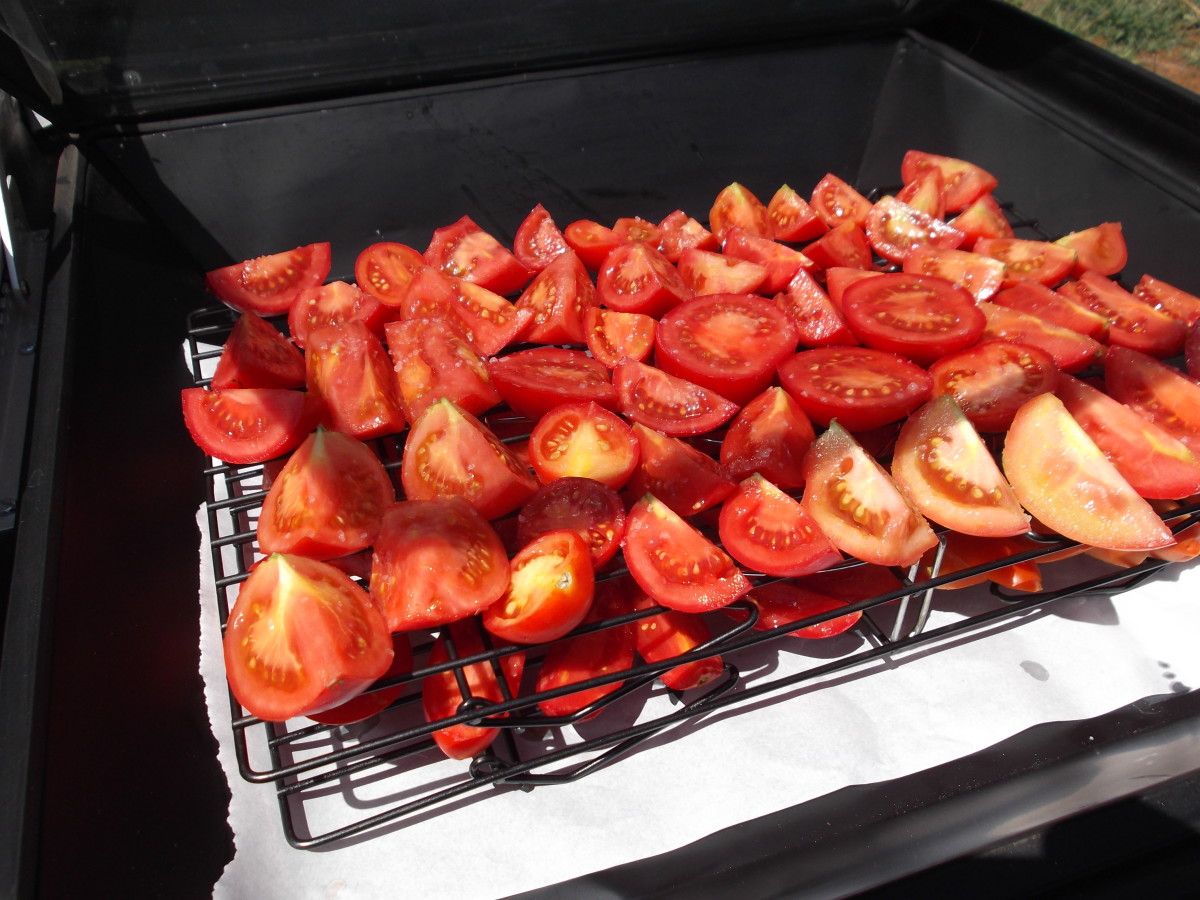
(679, 232)
(862, 388)
(965, 182)
(350, 371)
(736, 206)
(1026, 260)
(441, 696)
(708, 272)
(612, 336)
(269, 285)
(837, 203)
(982, 219)
(669, 634)
(549, 591)
(1162, 394)
(675, 564)
(728, 343)
(583, 440)
(769, 436)
(1063, 479)
(895, 228)
(635, 228)
(535, 381)
(1038, 300)
(333, 304)
(302, 637)
(1100, 249)
(373, 700)
(857, 505)
(1169, 299)
(1131, 323)
(637, 278)
(981, 275)
(991, 380)
(668, 404)
(539, 241)
(449, 453)
(248, 425)
(818, 321)
(435, 561)
(433, 359)
(944, 468)
(843, 245)
(591, 241)
(780, 261)
(1070, 350)
(257, 355)
(592, 510)
(682, 477)
(768, 531)
(917, 316)
(328, 500)
(464, 250)
(1158, 465)
(795, 220)
(559, 296)
(783, 603)
(385, 271)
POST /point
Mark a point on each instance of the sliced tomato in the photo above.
(539, 241)
(333, 304)
(442, 696)
(728, 343)
(433, 359)
(782, 603)
(637, 278)
(592, 510)
(818, 321)
(1170, 299)
(917, 316)
(965, 551)
(965, 182)
(780, 261)
(464, 250)
(328, 500)
(269, 285)
(991, 380)
(1070, 350)
(768, 531)
(1162, 394)
(982, 219)
(679, 232)
(257, 355)
(248, 425)
(350, 371)
(1131, 323)
(374, 700)
(490, 322)
(1158, 465)
(302, 637)
(535, 381)
(860, 387)
(549, 592)
(843, 245)
(1063, 479)
(449, 453)
(926, 193)
(895, 228)
(1026, 260)
(769, 436)
(559, 297)
(981, 275)
(635, 228)
(736, 206)
(669, 634)
(668, 404)
(795, 220)
(591, 241)
(1100, 249)
(1051, 306)
(708, 272)
(435, 561)
(583, 440)
(675, 564)
(682, 477)
(837, 203)
(857, 505)
(947, 472)
(613, 336)
(385, 271)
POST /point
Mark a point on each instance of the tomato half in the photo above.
(679, 232)
(583, 440)
(257, 355)
(464, 250)
(837, 203)
(385, 271)
(857, 505)
(1063, 479)
(592, 510)
(350, 371)
(991, 380)
(818, 321)
(332, 304)
(944, 468)
(549, 590)
(769, 436)
(1163, 394)
(795, 220)
(666, 403)
(1070, 350)
(709, 272)
(269, 285)
(433, 359)
(637, 278)
(981, 275)
(538, 241)
(728, 343)
(783, 603)
(675, 564)
(768, 531)
(1131, 323)
(669, 634)
(1026, 260)
(302, 637)
(435, 561)
(535, 381)
(736, 206)
(895, 228)
(328, 500)
(1100, 249)
(248, 425)
(612, 336)
(559, 296)
(965, 182)
(682, 477)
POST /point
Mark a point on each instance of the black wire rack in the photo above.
(305, 762)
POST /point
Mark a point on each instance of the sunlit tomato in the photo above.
(736, 206)
(1100, 249)
(591, 241)
(549, 590)
(982, 219)
(818, 321)
(269, 285)
(964, 551)
(709, 272)
(1169, 299)
(675, 564)
(328, 500)
(1158, 465)
(679, 232)
(332, 304)
(1063, 479)
(257, 355)
(836, 202)
(795, 220)
(1026, 260)
(374, 700)
(464, 250)
(592, 510)
(926, 193)
(1159, 392)
(981, 275)
(558, 296)
(302, 637)
(583, 440)
(613, 336)
(784, 603)
(539, 241)
(385, 271)
(435, 561)
(944, 468)
(682, 477)
(637, 278)
(1051, 306)
(248, 425)
(894, 228)
(669, 634)
(857, 505)
(451, 453)
(769, 436)
(991, 380)
(965, 182)
(489, 321)
(780, 261)
(635, 228)
(728, 343)
(442, 697)
(917, 316)
(666, 403)
(1187, 536)
(843, 245)
(1070, 350)
(768, 531)
(350, 371)
(1131, 323)
(860, 387)
(535, 381)
(433, 359)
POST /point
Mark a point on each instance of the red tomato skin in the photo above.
(736, 206)
(248, 425)
(635, 228)
(269, 285)
(818, 321)
(434, 562)
(965, 182)
(1026, 260)
(464, 250)
(637, 278)
(374, 700)
(670, 405)
(767, 531)
(894, 229)
(981, 275)
(710, 272)
(559, 297)
(669, 634)
(538, 241)
(257, 355)
(535, 381)
(770, 436)
(1131, 323)
(432, 359)
(679, 232)
(843, 245)
(1169, 299)
(1070, 350)
(549, 592)
(386, 270)
(613, 336)
(964, 551)
(682, 477)
(926, 193)
(784, 602)
(583, 440)
(333, 304)
(780, 261)
(1161, 393)
(594, 511)
(837, 203)
(1100, 249)
(992, 379)
(350, 371)
(794, 219)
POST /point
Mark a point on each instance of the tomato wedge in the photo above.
(635, 228)
(1162, 394)
(549, 590)
(1131, 323)
(1026, 260)
(818, 321)
(709, 272)
(837, 203)
(991, 380)
(1038, 300)
(591, 241)
(926, 193)
(843, 245)
(981, 275)
(583, 440)
(895, 228)
(269, 285)
(333, 304)
(433, 359)
(679, 232)
(944, 468)
(1063, 479)
(780, 262)
(637, 278)
(302, 637)
(464, 250)
(1170, 299)
(590, 509)
(794, 218)
(386, 270)
(539, 241)
(768, 531)
(257, 355)
(736, 206)
(669, 634)
(982, 219)
(612, 336)
(435, 561)
(782, 603)
(769, 436)
(248, 425)
(535, 381)
(1070, 350)
(1100, 249)
(682, 477)
(350, 371)
(666, 403)
(559, 296)
(964, 182)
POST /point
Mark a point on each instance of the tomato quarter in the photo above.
(991, 380)
(269, 285)
(257, 355)
(583, 440)
(248, 425)
(768, 531)
(549, 590)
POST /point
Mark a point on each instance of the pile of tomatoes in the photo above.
(675, 417)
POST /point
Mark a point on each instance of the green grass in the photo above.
(1129, 28)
